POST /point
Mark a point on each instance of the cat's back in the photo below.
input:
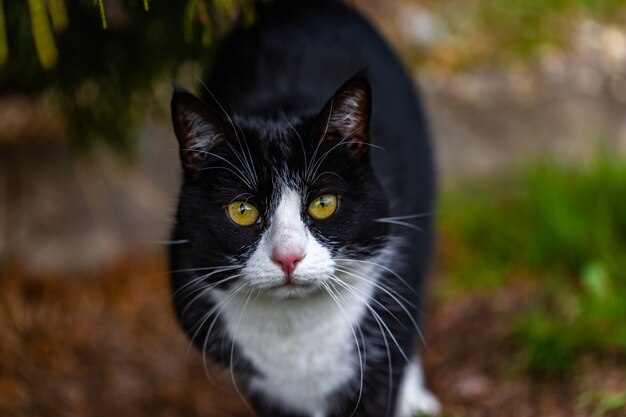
(298, 53)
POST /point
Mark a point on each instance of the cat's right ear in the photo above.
(198, 129)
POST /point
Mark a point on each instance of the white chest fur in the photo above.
(304, 349)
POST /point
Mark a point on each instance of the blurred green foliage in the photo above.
(522, 27)
(602, 402)
(101, 60)
(479, 33)
(564, 228)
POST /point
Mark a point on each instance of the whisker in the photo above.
(378, 321)
(335, 297)
(179, 271)
(408, 216)
(200, 278)
(400, 223)
(318, 164)
(232, 172)
(208, 333)
(300, 138)
(352, 288)
(240, 195)
(168, 242)
(321, 139)
(232, 350)
(232, 124)
(390, 292)
(240, 174)
(242, 159)
(202, 293)
(329, 173)
(198, 326)
(395, 274)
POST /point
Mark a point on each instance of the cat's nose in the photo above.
(287, 260)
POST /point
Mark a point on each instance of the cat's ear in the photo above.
(198, 129)
(346, 116)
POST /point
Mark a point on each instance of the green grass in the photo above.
(603, 403)
(565, 230)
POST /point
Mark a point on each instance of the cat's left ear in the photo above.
(346, 116)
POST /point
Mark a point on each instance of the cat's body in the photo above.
(314, 313)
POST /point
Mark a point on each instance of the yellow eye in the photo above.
(242, 213)
(323, 206)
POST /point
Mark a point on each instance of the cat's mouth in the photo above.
(291, 284)
(291, 289)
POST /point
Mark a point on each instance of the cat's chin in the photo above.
(286, 291)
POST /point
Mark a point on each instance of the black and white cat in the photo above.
(306, 243)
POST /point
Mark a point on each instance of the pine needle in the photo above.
(4, 44)
(58, 14)
(103, 17)
(42, 33)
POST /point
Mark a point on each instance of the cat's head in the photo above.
(278, 202)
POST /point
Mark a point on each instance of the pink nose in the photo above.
(287, 261)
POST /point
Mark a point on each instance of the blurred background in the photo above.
(527, 103)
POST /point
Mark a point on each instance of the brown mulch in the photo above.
(107, 344)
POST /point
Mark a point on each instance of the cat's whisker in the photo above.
(232, 349)
(379, 322)
(240, 195)
(252, 172)
(218, 311)
(382, 323)
(352, 288)
(232, 172)
(343, 141)
(321, 139)
(397, 298)
(408, 216)
(201, 321)
(401, 223)
(354, 273)
(395, 274)
(317, 163)
(245, 157)
(329, 173)
(168, 242)
(336, 299)
(299, 138)
(201, 278)
(179, 271)
(247, 161)
(203, 292)
(239, 173)
(242, 160)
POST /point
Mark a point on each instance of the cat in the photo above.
(304, 218)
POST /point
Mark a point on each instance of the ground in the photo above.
(108, 345)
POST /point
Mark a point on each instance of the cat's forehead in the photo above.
(278, 143)
(286, 153)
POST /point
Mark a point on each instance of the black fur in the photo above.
(275, 79)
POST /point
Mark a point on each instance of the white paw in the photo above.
(418, 403)
(414, 399)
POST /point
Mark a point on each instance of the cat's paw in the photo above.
(418, 403)
(414, 399)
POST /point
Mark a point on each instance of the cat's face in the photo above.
(279, 202)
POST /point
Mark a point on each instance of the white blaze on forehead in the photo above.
(287, 232)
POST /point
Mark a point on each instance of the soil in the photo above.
(108, 345)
